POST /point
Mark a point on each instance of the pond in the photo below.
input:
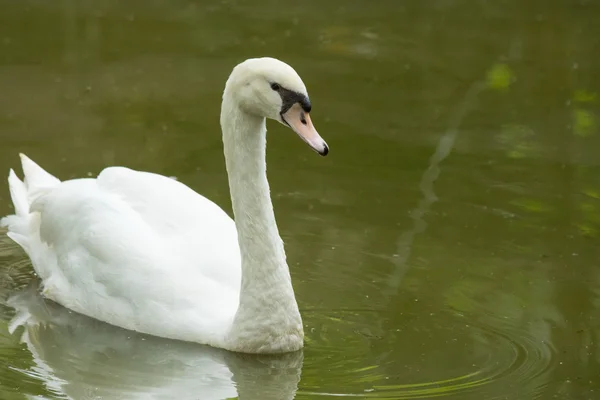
(448, 246)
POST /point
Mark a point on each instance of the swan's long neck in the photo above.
(268, 319)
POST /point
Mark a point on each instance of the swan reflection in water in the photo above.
(81, 358)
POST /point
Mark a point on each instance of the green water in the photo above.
(447, 247)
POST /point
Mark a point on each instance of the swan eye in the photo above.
(275, 86)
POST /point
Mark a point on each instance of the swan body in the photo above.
(147, 253)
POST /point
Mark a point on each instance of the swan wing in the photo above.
(190, 224)
(134, 249)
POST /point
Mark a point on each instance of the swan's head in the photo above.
(269, 88)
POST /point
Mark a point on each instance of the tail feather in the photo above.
(18, 194)
(20, 239)
(23, 194)
(18, 223)
(37, 180)
(8, 221)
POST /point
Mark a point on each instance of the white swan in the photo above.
(147, 253)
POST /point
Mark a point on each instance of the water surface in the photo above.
(447, 246)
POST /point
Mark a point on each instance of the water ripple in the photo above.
(499, 356)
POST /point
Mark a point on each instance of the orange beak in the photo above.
(299, 121)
